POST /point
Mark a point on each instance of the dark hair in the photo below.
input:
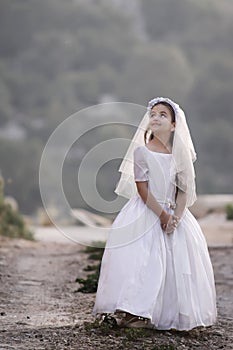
(172, 114)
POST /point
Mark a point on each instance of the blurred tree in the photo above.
(212, 92)
(11, 223)
(19, 165)
(57, 57)
(154, 69)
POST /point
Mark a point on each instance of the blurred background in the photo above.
(60, 56)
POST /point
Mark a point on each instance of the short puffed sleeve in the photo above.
(140, 165)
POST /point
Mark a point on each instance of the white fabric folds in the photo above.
(166, 278)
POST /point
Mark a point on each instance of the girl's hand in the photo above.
(164, 218)
(172, 223)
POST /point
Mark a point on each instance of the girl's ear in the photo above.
(173, 127)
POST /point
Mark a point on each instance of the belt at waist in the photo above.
(169, 203)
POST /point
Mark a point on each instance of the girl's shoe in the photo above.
(107, 318)
(136, 322)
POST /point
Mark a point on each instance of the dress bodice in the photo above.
(155, 168)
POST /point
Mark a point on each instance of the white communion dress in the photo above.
(167, 278)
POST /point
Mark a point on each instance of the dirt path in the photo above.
(39, 309)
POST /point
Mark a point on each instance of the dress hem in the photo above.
(172, 327)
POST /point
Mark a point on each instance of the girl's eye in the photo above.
(161, 115)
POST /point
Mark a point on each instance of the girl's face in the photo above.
(161, 119)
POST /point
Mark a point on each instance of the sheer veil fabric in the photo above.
(183, 156)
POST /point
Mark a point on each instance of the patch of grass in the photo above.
(98, 245)
(107, 328)
(137, 333)
(91, 268)
(128, 335)
(91, 282)
(95, 252)
(96, 256)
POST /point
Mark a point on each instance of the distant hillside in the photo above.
(57, 57)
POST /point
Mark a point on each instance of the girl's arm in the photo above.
(181, 200)
(151, 202)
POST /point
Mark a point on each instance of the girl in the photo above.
(156, 271)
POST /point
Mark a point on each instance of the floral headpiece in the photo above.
(156, 100)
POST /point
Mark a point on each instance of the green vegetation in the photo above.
(229, 211)
(11, 222)
(91, 282)
(128, 335)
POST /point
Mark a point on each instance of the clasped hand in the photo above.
(169, 225)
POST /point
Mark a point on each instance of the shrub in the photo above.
(229, 211)
(11, 222)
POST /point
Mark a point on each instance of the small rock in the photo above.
(218, 333)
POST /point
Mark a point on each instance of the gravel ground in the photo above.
(39, 308)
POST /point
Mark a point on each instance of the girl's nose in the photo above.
(155, 116)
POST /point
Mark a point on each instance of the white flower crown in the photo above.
(155, 100)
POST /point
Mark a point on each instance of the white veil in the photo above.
(182, 170)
